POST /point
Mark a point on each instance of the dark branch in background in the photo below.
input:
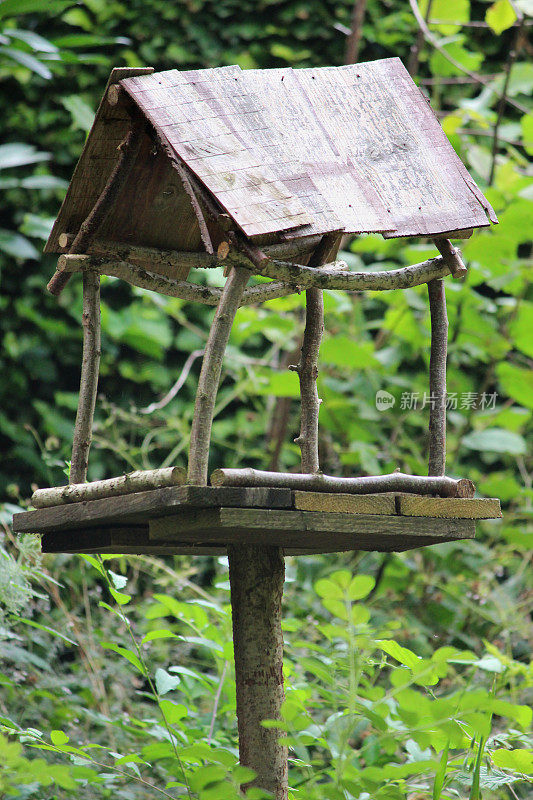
(353, 41)
(503, 99)
(429, 37)
(414, 55)
(128, 150)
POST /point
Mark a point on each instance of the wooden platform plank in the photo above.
(122, 541)
(140, 507)
(347, 503)
(413, 505)
(305, 529)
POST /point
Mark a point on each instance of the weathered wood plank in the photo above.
(140, 507)
(122, 541)
(347, 503)
(305, 529)
(220, 131)
(449, 507)
(111, 125)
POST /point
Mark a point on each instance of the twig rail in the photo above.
(395, 482)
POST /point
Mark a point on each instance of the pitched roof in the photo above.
(306, 151)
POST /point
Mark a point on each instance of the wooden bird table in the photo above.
(362, 153)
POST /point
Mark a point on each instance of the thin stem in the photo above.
(503, 99)
(147, 675)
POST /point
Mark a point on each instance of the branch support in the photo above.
(437, 377)
(89, 378)
(210, 374)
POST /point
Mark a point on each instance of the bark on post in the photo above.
(89, 378)
(437, 377)
(307, 367)
(210, 374)
(256, 578)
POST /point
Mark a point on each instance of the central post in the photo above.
(256, 577)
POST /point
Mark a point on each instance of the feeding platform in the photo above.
(199, 520)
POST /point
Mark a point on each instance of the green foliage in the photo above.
(407, 676)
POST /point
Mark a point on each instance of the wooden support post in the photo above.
(89, 378)
(437, 377)
(256, 579)
(128, 150)
(210, 374)
(307, 367)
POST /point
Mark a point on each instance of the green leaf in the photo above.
(496, 440)
(164, 682)
(32, 39)
(119, 581)
(173, 712)
(18, 154)
(58, 738)
(440, 775)
(401, 654)
(28, 61)
(360, 586)
(81, 113)
(125, 653)
(342, 351)
(16, 245)
(517, 760)
(521, 327)
(162, 633)
(500, 16)
(120, 597)
(33, 624)
(12, 8)
(205, 776)
(516, 382)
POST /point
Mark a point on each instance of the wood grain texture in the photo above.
(142, 506)
(131, 540)
(449, 507)
(97, 158)
(308, 529)
(346, 503)
(286, 153)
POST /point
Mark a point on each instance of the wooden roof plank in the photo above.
(238, 114)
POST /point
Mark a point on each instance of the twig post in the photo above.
(89, 378)
(437, 377)
(307, 367)
(210, 374)
(256, 578)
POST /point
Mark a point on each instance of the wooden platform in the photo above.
(195, 520)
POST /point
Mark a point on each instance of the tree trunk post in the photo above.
(256, 579)
(89, 378)
(437, 377)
